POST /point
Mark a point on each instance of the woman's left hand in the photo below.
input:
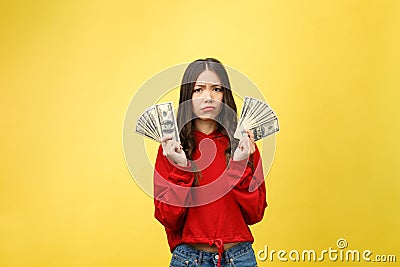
(245, 148)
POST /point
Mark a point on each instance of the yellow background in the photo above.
(330, 70)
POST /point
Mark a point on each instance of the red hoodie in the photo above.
(220, 218)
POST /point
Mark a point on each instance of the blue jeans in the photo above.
(240, 255)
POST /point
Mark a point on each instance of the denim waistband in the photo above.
(232, 252)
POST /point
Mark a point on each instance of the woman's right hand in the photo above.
(173, 150)
(245, 148)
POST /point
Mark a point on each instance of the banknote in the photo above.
(244, 108)
(142, 131)
(146, 125)
(265, 129)
(157, 121)
(166, 119)
(258, 117)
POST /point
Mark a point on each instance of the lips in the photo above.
(208, 108)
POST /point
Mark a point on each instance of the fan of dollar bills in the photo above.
(256, 116)
(157, 121)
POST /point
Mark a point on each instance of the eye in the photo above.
(218, 89)
(196, 90)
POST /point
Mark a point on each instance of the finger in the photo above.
(246, 145)
(243, 139)
(251, 135)
(240, 145)
(246, 141)
(252, 149)
(168, 147)
(252, 144)
(177, 147)
(164, 150)
(246, 137)
(180, 148)
(166, 138)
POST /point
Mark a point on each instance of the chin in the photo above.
(207, 118)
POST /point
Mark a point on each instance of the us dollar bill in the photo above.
(265, 129)
(146, 133)
(258, 117)
(146, 125)
(244, 109)
(261, 131)
(166, 120)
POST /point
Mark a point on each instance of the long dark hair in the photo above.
(227, 119)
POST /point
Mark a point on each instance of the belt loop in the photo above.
(200, 257)
(226, 256)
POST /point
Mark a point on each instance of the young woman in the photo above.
(202, 191)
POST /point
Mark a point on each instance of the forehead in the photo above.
(208, 76)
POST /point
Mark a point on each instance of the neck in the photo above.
(205, 126)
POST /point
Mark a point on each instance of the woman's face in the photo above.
(207, 96)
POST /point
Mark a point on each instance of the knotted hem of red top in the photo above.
(218, 242)
(220, 245)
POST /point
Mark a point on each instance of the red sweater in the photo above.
(225, 218)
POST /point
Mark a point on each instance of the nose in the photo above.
(207, 93)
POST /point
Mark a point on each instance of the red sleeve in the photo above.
(171, 191)
(249, 190)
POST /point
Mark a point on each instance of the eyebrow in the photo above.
(202, 84)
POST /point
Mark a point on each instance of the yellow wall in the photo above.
(330, 70)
